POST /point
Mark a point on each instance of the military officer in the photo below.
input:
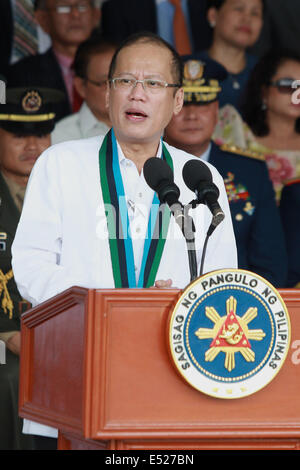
(255, 217)
(26, 121)
(290, 212)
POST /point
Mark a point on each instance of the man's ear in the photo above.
(179, 96)
(216, 111)
(80, 86)
(212, 15)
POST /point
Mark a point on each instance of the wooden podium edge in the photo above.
(30, 319)
(77, 295)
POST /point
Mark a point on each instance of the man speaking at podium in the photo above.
(61, 239)
(78, 191)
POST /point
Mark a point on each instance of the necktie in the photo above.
(25, 30)
(77, 100)
(181, 35)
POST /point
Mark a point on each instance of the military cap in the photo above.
(202, 79)
(29, 110)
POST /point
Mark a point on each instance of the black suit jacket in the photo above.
(6, 34)
(120, 18)
(40, 70)
(255, 216)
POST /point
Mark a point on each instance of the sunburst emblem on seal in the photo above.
(230, 334)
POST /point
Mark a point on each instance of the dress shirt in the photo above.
(139, 197)
(205, 155)
(165, 14)
(80, 125)
(65, 64)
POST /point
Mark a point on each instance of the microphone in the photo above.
(160, 178)
(198, 178)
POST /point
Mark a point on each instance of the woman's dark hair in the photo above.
(146, 37)
(252, 109)
(219, 3)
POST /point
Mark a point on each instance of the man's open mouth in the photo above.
(136, 114)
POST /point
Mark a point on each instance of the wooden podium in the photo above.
(95, 365)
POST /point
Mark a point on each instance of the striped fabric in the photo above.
(120, 242)
(25, 29)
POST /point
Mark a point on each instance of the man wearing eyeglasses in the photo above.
(91, 66)
(89, 217)
(68, 23)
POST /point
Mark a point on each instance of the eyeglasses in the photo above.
(285, 85)
(149, 84)
(94, 82)
(81, 7)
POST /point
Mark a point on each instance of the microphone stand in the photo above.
(189, 235)
(186, 224)
(216, 219)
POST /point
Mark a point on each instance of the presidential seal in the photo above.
(229, 333)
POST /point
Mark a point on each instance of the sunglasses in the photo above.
(285, 85)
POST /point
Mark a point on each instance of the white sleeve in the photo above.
(37, 245)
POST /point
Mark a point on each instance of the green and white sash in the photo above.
(120, 242)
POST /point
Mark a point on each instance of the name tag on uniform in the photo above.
(3, 238)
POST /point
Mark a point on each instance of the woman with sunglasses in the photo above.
(236, 26)
(271, 113)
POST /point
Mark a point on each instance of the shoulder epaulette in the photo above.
(244, 152)
(291, 181)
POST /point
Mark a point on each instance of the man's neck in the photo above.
(198, 149)
(64, 50)
(138, 153)
(18, 179)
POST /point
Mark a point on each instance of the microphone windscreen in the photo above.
(156, 171)
(195, 172)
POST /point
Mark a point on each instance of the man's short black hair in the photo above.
(95, 44)
(147, 37)
(42, 3)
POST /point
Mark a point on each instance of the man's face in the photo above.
(138, 115)
(93, 87)
(193, 127)
(68, 28)
(19, 153)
